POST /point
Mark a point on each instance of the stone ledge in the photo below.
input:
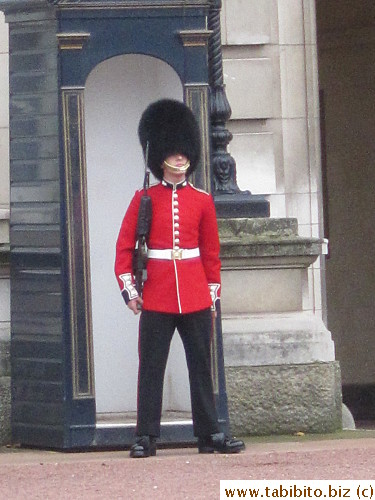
(258, 229)
(265, 243)
(276, 339)
(284, 399)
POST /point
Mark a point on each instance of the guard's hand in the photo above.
(135, 305)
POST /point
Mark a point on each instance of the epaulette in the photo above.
(199, 190)
(140, 190)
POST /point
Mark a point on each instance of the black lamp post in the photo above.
(224, 165)
(229, 199)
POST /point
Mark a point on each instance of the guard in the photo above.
(183, 276)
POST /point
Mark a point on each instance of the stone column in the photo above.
(280, 366)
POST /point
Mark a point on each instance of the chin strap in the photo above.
(181, 169)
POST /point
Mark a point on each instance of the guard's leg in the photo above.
(195, 330)
(155, 335)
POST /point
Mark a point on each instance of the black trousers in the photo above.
(155, 335)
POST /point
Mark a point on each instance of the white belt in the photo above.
(178, 254)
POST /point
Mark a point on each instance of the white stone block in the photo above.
(317, 289)
(299, 205)
(304, 230)
(290, 13)
(309, 14)
(275, 126)
(4, 91)
(312, 80)
(315, 212)
(255, 160)
(277, 205)
(315, 154)
(293, 81)
(4, 45)
(276, 339)
(249, 86)
(296, 161)
(248, 21)
(308, 290)
(265, 290)
(317, 232)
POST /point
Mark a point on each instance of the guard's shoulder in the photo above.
(199, 190)
(152, 186)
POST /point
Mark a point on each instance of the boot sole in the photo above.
(207, 450)
(143, 453)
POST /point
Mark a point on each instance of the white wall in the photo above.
(117, 92)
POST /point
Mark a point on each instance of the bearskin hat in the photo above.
(169, 127)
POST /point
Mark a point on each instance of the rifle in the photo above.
(142, 233)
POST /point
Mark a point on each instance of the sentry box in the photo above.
(81, 73)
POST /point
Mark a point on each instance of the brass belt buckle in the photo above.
(177, 254)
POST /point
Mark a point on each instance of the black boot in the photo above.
(221, 443)
(145, 446)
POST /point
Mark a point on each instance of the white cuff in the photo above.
(214, 292)
(129, 292)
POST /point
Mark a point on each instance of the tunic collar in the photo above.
(173, 186)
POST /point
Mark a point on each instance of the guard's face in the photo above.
(177, 160)
(175, 167)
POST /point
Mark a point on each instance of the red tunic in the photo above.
(183, 217)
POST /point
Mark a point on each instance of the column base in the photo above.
(5, 390)
(284, 399)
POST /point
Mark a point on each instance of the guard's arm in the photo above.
(124, 251)
(209, 246)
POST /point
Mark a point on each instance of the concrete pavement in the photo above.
(182, 473)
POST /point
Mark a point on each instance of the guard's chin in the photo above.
(177, 169)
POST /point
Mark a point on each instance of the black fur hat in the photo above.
(169, 127)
